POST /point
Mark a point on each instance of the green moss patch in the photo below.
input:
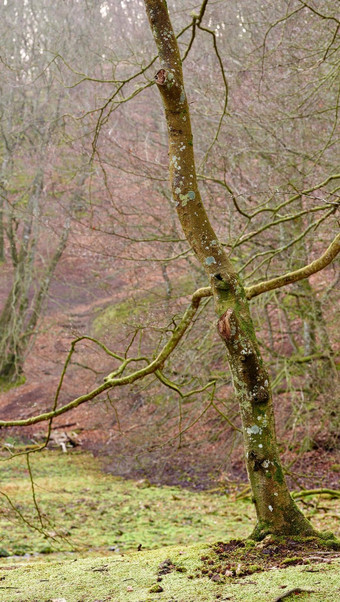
(138, 309)
(85, 509)
(92, 520)
(238, 558)
(6, 385)
(135, 577)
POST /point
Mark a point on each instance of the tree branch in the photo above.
(313, 267)
(308, 270)
(111, 380)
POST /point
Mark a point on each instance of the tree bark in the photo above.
(276, 511)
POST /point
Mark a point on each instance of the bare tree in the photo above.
(33, 107)
(221, 259)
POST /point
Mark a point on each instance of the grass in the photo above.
(93, 524)
(136, 310)
(135, 578)
(85, 509)
(6, 385)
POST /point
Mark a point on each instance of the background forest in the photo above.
(91, 248)
(89, 239)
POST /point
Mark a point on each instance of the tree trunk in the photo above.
(11, 326)
(19, 319)
(276, 511)
(2, 246)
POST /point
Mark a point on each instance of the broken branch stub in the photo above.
(160, 77)
(224, 326)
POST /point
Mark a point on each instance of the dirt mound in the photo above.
(239, 558)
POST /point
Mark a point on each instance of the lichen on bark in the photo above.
(276, 511)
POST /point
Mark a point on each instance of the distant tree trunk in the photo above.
(314, 340)
(22, 309)
(14, 312)
(19, 319)
(276, 511)
(2, 246)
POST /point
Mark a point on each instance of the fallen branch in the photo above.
(306, 492)
(246, 492)
(295, 590)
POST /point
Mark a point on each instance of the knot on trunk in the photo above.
(223, 283)
(170, 88)
(160, 77)
(260, 395)
(225, 325)
(257, 462)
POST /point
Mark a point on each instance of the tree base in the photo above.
(326, 539)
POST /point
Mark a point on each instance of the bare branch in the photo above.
(316, 12)
(305, 272)
(111, 380)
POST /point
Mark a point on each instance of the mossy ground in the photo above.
(6, 385)
(238, 558)
(136, 577)
(84, 509)
(135, 310)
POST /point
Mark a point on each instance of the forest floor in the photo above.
(136, 431)
(137, 434)
(141, 521)
(89, 536)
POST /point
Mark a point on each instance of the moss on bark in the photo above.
(276, 511)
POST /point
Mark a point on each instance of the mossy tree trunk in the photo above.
(276, 511)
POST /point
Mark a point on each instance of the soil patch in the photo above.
(239, 558)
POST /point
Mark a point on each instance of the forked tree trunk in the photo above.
(276, 511)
